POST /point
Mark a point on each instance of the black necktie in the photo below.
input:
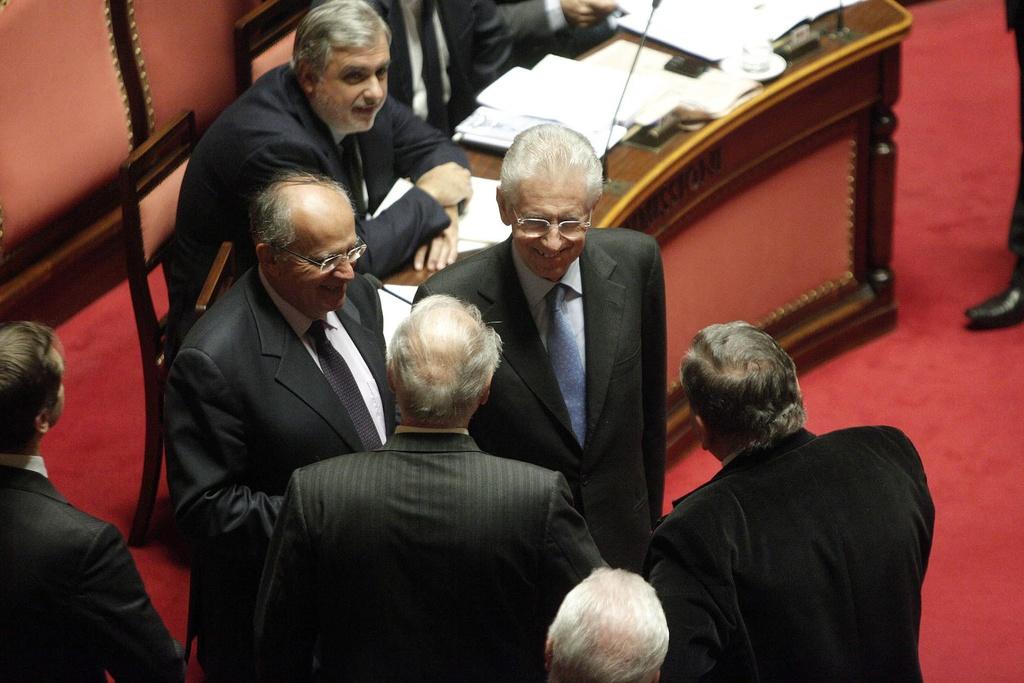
(354, 170)
(437, 114)
(340, 378)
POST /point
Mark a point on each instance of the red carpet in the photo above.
(957, 394)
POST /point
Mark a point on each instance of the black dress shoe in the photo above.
(1002, 310)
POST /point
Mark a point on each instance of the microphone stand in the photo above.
(625, 87)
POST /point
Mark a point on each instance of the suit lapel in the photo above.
(296, 370)
(603, 302)
(522, 349)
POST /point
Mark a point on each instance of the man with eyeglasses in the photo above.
(285, 370)
(581, 313)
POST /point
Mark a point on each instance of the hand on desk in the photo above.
(443, 249)
(587, 12)
(448, 183)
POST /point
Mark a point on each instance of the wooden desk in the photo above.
(781, 213)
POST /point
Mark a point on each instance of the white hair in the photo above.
(441, 359)
(550, 150)
(610, 629)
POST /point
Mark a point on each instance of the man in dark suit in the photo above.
(440, 74)
(327, 113)
(802, 559)
(260, 388)
(428, 559)
(1007, 307)
(594, 411)
(562, 27)
(72, 605)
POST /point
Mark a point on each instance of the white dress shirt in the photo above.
(339, 338)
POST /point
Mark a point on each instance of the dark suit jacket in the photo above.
(532, 37)
(427, 560)
(245, 406)
(272, 128)
(802, 562)
(478, 47)
(617, 478)
(72, 604)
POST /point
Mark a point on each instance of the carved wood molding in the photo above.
(117, 72)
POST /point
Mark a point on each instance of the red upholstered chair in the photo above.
(264, 39)
(184, 52)
(64, 129)
(150, 181)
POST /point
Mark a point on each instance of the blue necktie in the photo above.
(565, 361)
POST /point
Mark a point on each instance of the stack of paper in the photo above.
(716, 30)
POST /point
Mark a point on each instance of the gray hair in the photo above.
(610, 629)
(336, 25)
(743, 385)
(270, 212)
(441, 359)
(30, 379)
(550, 150)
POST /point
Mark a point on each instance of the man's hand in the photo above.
(448, 184)
(442, 250)
(587, 12)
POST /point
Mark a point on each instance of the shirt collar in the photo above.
(536, 288)
(33, 463)
(406, 429)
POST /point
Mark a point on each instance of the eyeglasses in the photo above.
(536, 227)
(331, 262)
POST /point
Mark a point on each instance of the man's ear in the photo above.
(504, 210)
(486, 394)
(307, 79)
(43, 421)
(265, 255)
(702, 431)
(547, 655)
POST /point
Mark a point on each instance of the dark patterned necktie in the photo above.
(354, 170)
(565, 361)
(437, 114)
(340, 378)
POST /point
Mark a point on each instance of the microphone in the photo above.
(629, 76)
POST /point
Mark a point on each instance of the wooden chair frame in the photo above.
(260, 29)
(144, 169)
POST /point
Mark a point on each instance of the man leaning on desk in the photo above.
(328, 112)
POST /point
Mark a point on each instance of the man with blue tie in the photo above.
(581, 313)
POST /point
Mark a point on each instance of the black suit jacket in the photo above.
(532, 37)
(72, 604)
(427, 560)
(272, 128)
(245, 406)
(802, 562)
(617, 477)
(478, 47)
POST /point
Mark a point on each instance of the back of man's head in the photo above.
(335, 25)
(742, 385)
(31, 371)
(610, 629)
(440, 362)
